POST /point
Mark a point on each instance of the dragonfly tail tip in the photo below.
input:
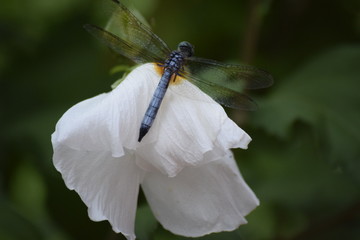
(143, 132)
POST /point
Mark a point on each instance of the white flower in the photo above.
(183, 164)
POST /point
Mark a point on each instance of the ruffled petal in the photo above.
(189, 127)
(107, 185)
(200, 200)
(111, 121)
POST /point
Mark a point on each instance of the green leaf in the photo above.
(296, 188)
(324, 94)
(145, 223)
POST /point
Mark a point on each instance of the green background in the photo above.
(303, 162)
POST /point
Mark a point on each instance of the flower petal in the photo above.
(190, 128)
(201, 200)
(107, 185)
(111, 121)
(184, 131)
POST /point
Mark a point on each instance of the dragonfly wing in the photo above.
(225, 83)
(222, 95)
(129, 37)
(122, 47)
(232, 76)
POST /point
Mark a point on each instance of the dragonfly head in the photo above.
(186, 49)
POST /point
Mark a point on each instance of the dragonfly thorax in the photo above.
(177, 58)
(175, 61)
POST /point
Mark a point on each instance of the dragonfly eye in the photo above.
(186, 49)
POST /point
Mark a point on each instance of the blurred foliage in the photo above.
(303, 163)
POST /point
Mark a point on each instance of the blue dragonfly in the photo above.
(225, 83)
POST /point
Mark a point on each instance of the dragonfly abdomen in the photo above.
(155, 103)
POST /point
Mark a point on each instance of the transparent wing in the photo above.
(225, 83)
(129, 37)
(234, 76)
(222, 95)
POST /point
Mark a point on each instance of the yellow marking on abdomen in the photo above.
(158, 69)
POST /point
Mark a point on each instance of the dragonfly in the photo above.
(225, 83)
